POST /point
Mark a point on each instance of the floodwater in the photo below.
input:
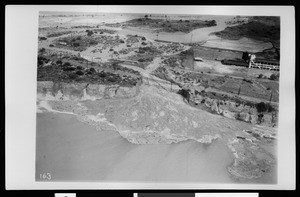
(73, 151)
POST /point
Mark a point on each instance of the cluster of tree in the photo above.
(185, 93)
(75, 39)
(75, 72)
(76, 44)
(42, 60)
(245, 56)
(89, 32)
(146, 49)
(264, 107)
(274, 77)
(42, 50)
(146, 59)
(248, 80)
(212, 23)
(42, 38)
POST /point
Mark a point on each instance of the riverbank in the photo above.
(148, 120)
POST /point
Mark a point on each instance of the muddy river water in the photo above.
(72, 150)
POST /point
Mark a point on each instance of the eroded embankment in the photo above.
(261, 113)
(148, 115)
(48, 90)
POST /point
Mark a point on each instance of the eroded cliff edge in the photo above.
(148, 115)
(82, 91)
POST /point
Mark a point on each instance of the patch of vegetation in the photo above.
(101, 31)
(79, 72)
(42, 60)
(187, 52)
(83, 26)
(151, 50)
(79, 68)
(171, 62)
(260, 76)
(42, 38)
(66, 64)
(92, 70)
(89, 32)
(59, 62)
(264, 107)
(269, 54)
(146, 59)
(274, 77)
(248, 81)
(42, 50)
(56, 34)
(260, 118)
(78, 43)
(69, 72)
(170, 25)
(259, 28)
(69, 68)
(185, 93)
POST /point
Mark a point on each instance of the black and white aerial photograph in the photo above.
(157, 98)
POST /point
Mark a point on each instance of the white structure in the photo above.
(198, 59)
(262, 64)
(62, 43)
(251, 60)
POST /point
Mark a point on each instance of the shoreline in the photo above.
(116, 155)
(72, 150)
